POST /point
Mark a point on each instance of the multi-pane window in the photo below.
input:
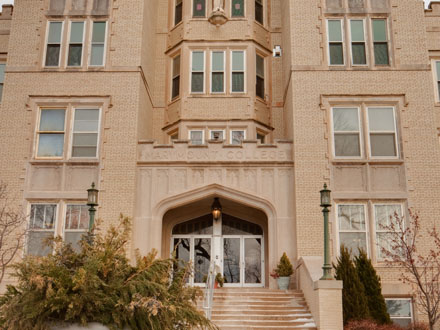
(376, 124)
(259, 16)
(218, 72)
(178, 11)
(384, 215)
(217, 135)
(382, 132)
(237, 8)
(237, 75)
(97, 54)
(198, 72)
(76, 224)
(76, 41)
(41, 228)
(352, 227)
(50, 134)
(2, 79)
(335, 42)
(380, 42)
(346, 132)
(400, 311)
(53, 47)
(260, 77)
(85, 133)
(237, 136)
(175, 88)
(357, 33)
(437, 78)
(196, 137)
(199, 8)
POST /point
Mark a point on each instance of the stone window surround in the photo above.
(36, 104)
(64, 44)
(66, 7)
(436, 77)
(369, 43)
(370, 224)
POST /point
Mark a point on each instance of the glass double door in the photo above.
(243, 260)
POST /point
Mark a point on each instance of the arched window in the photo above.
(199, 226)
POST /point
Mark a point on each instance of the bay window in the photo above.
(237, 136)
(237, 74)
(259, 16)
(198, 72)
(260, 77)
(175, 87)
(196, 137)
(178, 8)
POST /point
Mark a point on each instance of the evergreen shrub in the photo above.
(284, 267)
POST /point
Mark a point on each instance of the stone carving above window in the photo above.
(100, 7)
(79, 7)
(358, 6)
(56, 7)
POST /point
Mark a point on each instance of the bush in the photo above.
(284, 267)
(371, 325)
(98, 284)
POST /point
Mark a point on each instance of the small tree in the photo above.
(284, 267)
(12, 231)
(419, 269)
(354, 301)
(373, 289)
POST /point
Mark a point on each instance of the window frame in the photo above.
(244, 10)
(217, 130)
(342, 22)
(232, 71)
(436, 75)
(367, 225)
(176, 5)
(360, 132)
(104, 56)
(175, 76)
(190, 131)
(72, 132)
(46, 44)
(264, 77)
(64, 222)
(38, 132)
(212, 71)
(368, 138)
(192, 10)
(411, 308)
(2, 82)
(261, 2)
(203, 72)
(373, 42)
(365, 42)
(55, 228)
(237, 130)
(69, 37)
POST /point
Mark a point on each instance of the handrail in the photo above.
(209, 291)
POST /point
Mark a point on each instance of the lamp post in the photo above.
(325, 204)
(92, 201)
(216, 209)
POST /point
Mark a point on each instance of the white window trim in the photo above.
(387, 34)
(64, 230)
(236, 130)
(244, 72)
(436, 77)
(367, 227)
(411, 309)
(46, 43)
(212, 71)
(172, 99)
(196, 130)
(217, 130)
(361, 139)
(104, 57)
(396, 139)
(72, 123)
(192, 71)
(38, 132)
(342, 21)
(82, 44)
(366, 43)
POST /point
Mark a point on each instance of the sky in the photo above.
(12, 1)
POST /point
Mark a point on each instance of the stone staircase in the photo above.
(259, 308)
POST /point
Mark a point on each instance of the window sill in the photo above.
(176, 26)
(367, 161)
(84, 161)
(175, 100)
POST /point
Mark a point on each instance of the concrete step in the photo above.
(261, 311)
(262, 317)
(251, 323)
(262, 327)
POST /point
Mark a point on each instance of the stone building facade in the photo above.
(168, 104)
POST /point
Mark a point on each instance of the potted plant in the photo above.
(283, 272)
(219, 280)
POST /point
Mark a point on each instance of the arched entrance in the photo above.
(236, 243)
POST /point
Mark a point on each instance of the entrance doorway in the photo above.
(238, 247)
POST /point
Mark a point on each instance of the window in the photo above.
(199, 8)
(237, 136)
(259, 11)
(377, 124)
(217, 135)
(98, 44)
(53, 47)
(76, 44)
(380, 42)
(357, 34)
(41, 227)
(178, 12)
(50, 134)
(346, 132)
(352, 227)
(196, 137)
(261, 137)
(218, 72)
(237, 8)
(383, 216)
(400, 311)
(336, 43)
(85, 133)
(76, 224)
(175, 89)
(2, 79)
(237, 74)
(437, 78)
(197, 72)
(260, 77)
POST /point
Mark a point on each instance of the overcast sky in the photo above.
(12, 1)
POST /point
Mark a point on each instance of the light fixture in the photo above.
(92, 201)
(325, 197)
(325, 204)
(216, 209)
